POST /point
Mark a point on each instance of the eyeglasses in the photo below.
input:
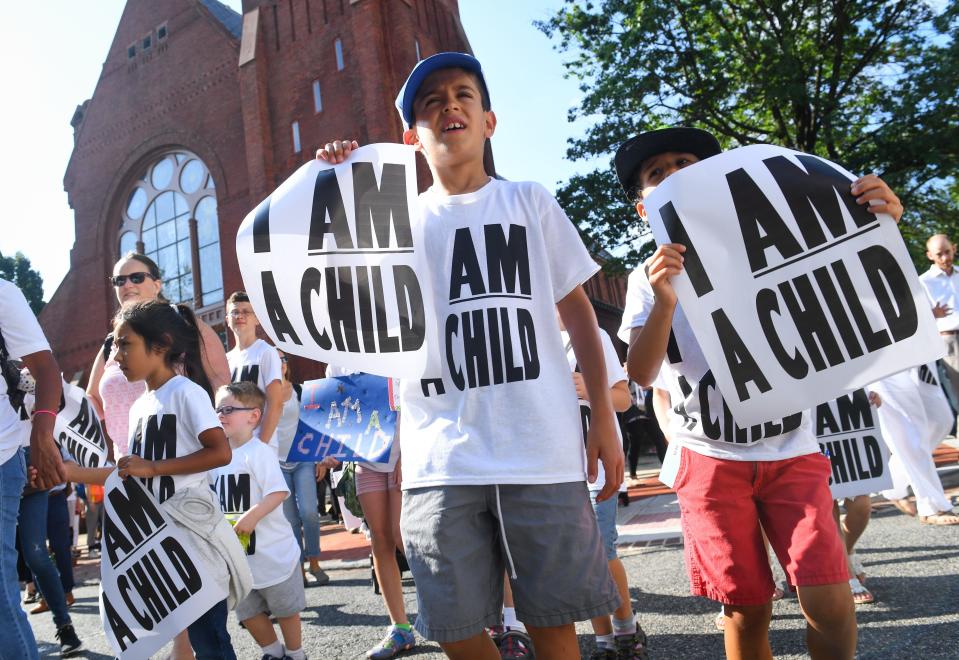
(229, 410)
(283, 358)
(136, 278)
(237, 313)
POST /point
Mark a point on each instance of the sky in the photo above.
(53, 52)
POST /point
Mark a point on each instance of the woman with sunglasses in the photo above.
(136, 278)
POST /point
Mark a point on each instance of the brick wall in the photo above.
(232, 101)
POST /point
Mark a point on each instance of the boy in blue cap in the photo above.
(493, 465)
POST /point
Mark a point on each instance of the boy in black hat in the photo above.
(731, 489)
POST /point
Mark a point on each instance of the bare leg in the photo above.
(603, 625)
(260, 629)
(555, 642)
(292, 632)
(477, 647)
(379, 517)
(618, 571)
(181, 647)
(747, 631)
(830, 621)
(507, 592)
(858, 510)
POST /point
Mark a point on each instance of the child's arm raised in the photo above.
(215, 453)
(647, 343)
(337, 151)
(602, 442)
(248, 521)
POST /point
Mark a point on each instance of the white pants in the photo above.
(74, 518)
(914, 418)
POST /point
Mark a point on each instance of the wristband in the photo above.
(44, 412)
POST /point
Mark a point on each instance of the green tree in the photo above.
(870, 84)
(17, 269)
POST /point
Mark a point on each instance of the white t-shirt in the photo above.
(286, 427)
(258, 364)
(273, 553)
(944, 290)
(166, 423)
(508, 414)
(614, 374)
(22, 336)
(699, 419)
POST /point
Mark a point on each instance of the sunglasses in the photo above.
(136, 278)
(229, 410)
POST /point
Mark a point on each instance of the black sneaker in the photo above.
(632, 647)
(70, 644)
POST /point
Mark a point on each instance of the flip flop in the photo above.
(907, 507)
(860, 595)
(941, 518)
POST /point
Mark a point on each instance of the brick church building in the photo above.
(199, 113)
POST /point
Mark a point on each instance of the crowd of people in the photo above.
(503, 504)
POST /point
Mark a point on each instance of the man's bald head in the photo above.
(937, 240)
(941, 251)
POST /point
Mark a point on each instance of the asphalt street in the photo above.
(912, 569)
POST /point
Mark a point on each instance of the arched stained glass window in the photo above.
(170, 215)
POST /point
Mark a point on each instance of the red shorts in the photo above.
(726, 505)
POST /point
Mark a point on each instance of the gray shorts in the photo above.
(281, 600)
(458, 556)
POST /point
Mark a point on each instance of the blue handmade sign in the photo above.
(350, 418)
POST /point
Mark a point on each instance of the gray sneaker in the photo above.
(321, 577)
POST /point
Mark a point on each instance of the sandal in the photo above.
(857, 568)
(778, 594)
(907, 507)
(940, 518)
(860, 595)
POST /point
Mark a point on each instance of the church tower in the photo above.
(198, 114)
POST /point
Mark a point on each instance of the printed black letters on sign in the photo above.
(274, 310)
(761, 226)
(742, 365)
(328, 203)
(691, 261)
(815, 190)
(375, 206)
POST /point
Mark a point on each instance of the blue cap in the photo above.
(423, 68)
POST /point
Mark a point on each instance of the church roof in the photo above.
(231, 20)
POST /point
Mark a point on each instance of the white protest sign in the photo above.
(78, 429)
(333, 263)
(152, 583)
(794, 291)
(847, 429)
